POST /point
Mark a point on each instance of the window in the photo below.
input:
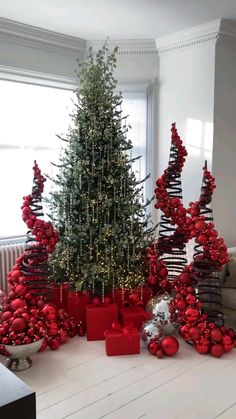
(135, 106)
(31, 116)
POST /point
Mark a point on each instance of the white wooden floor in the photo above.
(80, 381)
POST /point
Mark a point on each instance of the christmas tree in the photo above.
(97, 205)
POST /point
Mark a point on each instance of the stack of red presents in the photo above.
(117, 321)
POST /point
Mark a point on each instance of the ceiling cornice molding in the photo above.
(130, 47)
(35, 77)
(15, 32)
(197, 36)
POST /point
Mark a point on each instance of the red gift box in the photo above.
(76, 305)
(99, 318)
(134, 316)
(59, 294)
(122, 341)
(144, 293)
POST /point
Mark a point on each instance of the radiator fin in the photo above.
(8, 255)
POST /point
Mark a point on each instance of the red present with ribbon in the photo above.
(76, 305)
(134, 315)
(122, 341)
(99, 318)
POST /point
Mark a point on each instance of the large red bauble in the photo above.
(15, 275)
(18, 325)
(194, 332)
(202, 346)
(6, 316)
(20, 289)
(217, 350)
(17, 303)
(169, 345)
(216, 335)
(49, 312)
(191, 314)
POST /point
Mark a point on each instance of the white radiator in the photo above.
(8, 255)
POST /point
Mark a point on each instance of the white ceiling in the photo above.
(118, 19)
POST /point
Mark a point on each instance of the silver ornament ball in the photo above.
(151, 330)
(161, 309)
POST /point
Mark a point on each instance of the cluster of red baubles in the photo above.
(24, 322)
(157, 271)
(168, 345)
(26, 317)
(194, 326)
(43, 231)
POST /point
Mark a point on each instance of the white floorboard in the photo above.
(80, 381)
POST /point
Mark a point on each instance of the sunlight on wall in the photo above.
(199, 140)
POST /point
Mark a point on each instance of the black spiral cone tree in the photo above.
(40, 242)
(205, 271)
(171, 245)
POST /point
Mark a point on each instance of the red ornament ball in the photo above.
(217, 350)
(216, 335)
(202, 346)
(194, 332)
(169, 345)
(18, 325)
(159, 353)
(17, 303)
(6, 316)
(63, 336)
(191, 314)
(49, 312)
(54, 344)
(153, 347)
(52, 328)
(20, 289)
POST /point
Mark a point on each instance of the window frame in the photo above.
(57, 82)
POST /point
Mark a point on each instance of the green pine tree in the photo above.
(96, 204)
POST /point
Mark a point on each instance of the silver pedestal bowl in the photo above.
(18, 356)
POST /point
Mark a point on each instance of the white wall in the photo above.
(224, 151)
(186, 96)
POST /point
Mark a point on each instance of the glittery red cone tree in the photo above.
(206, 266)
(26, 317)
(171, 241)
